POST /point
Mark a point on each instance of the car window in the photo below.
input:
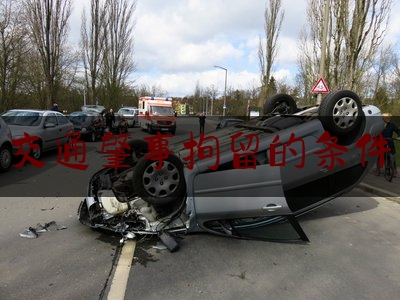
(79, 117)
(95, 108)
(51, 118)
(22, 118)
(62, 119)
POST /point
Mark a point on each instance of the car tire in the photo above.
(36, 153)
(150, 129)
(341, 112)
(5, 158)
(173, 132)
(280, 103)
(160, 187)
(137, 149)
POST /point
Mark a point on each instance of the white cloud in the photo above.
(177, 42)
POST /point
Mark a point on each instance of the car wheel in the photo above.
(280, 103)
(341, 112)
(138, 149)
(160, 187)
(5, 158)
(37, 153)
(126, 128)
(150, 129)
(173, 132)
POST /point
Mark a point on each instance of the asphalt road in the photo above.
(353, 254)
(353, 251)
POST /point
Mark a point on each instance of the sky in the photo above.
(178, 42)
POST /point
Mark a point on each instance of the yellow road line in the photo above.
(121, 276)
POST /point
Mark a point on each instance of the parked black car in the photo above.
(120, 124)
(90, 124)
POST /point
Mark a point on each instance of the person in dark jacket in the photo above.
(110, 119)
(55, 106)
(202, 121)
(387, 133)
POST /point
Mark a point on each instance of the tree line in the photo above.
(39, 65)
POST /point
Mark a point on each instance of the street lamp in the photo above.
(226, 76)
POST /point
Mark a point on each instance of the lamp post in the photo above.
(226, 76)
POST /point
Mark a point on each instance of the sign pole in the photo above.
(323, 46)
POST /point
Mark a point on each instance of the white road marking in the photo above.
(121, 276)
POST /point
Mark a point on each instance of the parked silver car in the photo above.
(48, 126)
(292, 165)
(130, 114)
(5, 146)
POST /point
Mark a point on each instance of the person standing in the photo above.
(55, 106)
(387, 133)
(202, 121)
(110, 119)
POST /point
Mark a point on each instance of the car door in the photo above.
(64, 127)
(239, 193)
(51, 131)
(245, 203)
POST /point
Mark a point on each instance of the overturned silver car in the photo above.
(294, 167)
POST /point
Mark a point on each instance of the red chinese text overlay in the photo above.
(243, 147)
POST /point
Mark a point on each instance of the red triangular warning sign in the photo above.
(320, 87)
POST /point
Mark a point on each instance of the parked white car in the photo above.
(130, 114)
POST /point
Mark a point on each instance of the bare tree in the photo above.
(92, 41)
(48, 24)
(211, 92)
(395, 83)
(118, 60)
(273, 17)
(12, 51)
(355, 33)
(384, 68)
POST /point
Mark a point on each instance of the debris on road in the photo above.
(33, 232)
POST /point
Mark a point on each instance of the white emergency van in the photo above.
(156, 114)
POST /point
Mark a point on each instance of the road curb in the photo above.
(379, 192)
